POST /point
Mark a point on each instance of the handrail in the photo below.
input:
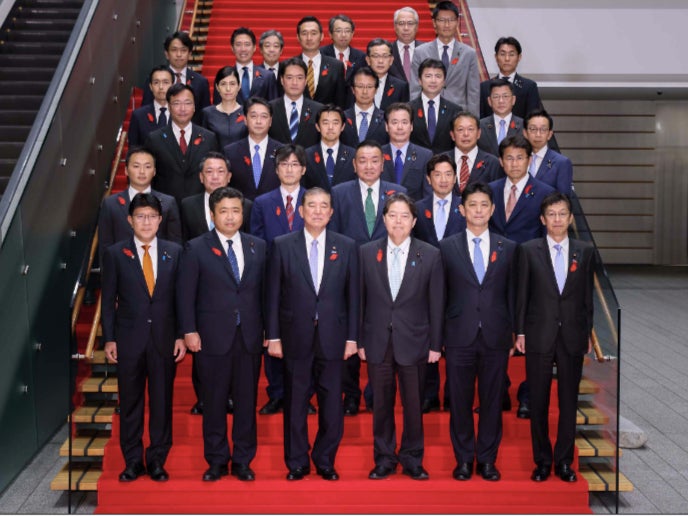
(472, 36)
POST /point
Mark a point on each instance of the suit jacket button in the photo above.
(149, 321)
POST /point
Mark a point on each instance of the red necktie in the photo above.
(463, 173)
(179, 78)
(341, 58)
(511, 202)
(182, 141)
(290, 212)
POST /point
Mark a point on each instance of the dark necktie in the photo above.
(233, 262)
(162, 119)
(398, 167)
(245, 86)
(370, 212)
(445, 57)
(182, 141)
(179, 78)
(148, 273)
(329, 166)
(464, 173)
(293, 122)
(290, 212)
(432, 120)
(363, 129)
(407, 63)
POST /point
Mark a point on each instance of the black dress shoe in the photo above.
(157, 472)
(132, 472)
(214, 473)
(327, 473)
(488, 471)
(350, 407)
(298, 473)
(312, 410)
(243, 472)
(430, 405)
(230, 406)
(566, 473)
(380, 472)
(523, 411)
(463, 471)
(416, 473)
(197, 409)
(273, 406)
(540, 473)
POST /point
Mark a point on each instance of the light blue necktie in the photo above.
(395, 273)
(329, 166)
(313, 262)
(533, 166)
(440, 219)
(502, 131)
(559, 268)
(363, 129)
(162, 119)
(432, 119)
(257, 167)
(293, 122)
(478, 262)
(445, 58)
(234, 264)
(398, 167)
(245, 86)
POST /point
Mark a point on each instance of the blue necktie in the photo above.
(395, 273)
(257, 167)
(398, 167)
(440, 219)
(245, 86)
(533, 165)
(293, 122)
(432, 119)
(329, 166)
(559, 269)
(162, 119)
(313, 262)
(502, 131)
(234, 264)
(363, 129)
(478, 262)
(445, 58)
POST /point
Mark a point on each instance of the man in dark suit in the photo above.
(405, 162)
(150, 117)
(220, 308)
(341, 29)
(502, 123)
(554, 326)
(517, 197)
(406, 22)
(402, 298)
(317, 270)
(180, 146)
(329, 162)
(472, 163)
(113, 223)
(294, 114)
(140, 335)
(479, 267)
(253, 158)
(390, 89)
(178, 49)
(432, 113)
(325, 76)
(271, 45)
(364, 121)
(547, 165)
(358, 207)
(254, 79)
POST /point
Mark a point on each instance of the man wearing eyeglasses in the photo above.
(502, 123)
(462, 81)
(548, 166)
(341, 29)
(405, 27)
(364, 121)
(390, 89)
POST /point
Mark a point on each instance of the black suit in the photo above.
(229, 319)
(176, 174)
(376, 128)
(397, 335)
(445, 112)
(263, 85)
(527, 96)
(413, 177)
(194, 222)
(331, 87)
(240, 157)
(316, 173)
(557, 327)
(357, 58)
(307, 135)
(144, 328)
(313, 350)
(397, 68)
(396, 90)
(479, 323)
(143, 122)
(201, 91)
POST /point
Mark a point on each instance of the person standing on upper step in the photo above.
(391, 89)
(502, 123)
(406, 22)
(547, 165)
(364, 120)
(155, 115)
(341, 29)
(271, 45)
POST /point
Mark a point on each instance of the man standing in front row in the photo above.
(219, 302)
(141, 336)
(402, 302)
(479, 269)
(317, 270)
(554, 311)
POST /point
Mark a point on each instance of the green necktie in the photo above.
(370, 212)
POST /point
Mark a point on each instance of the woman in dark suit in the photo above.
(226, 119)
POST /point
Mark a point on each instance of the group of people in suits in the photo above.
(327, 225)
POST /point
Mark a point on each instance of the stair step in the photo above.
(42, 24)
(100, 413)
(32, 47)
(86, 446)
(99, 384)
(23, 87)
(74, 4)
(37, 35)
(602, 477)
(588, 386)
(593, 443)
(23, 60)
(84, 477)
(16, 73)
(6, 167)
(13, 133)
(50, 13)
(588, 414)
(17, 116)
(10, 149)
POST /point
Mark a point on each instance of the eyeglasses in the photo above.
(406, 23)
(447, 21)
(537, 130)
(505, 96)
(289, 164)
(140, 218)
(365, 86)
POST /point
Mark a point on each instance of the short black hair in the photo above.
(477, 187)
(160, 68)
(401, 197)
(224, 192)
(269, 33)
(240, 31)
(517, 141)
(398, 106)
(377, 42)
(330, 108)
(181, 36)
(434, 64)
(436, 160)
(226, 71)
(554, 198)
(341, 17)
(307, 19)
(176, 89)
(508, 40)
(367, 71)
(292, 61)
(369, 143)
(465, 114)
(445, 6)
(498, 82)
(137, 149)
(145, 200)
(214, 155)
(537, 113)
(282, 153)
(252, 101)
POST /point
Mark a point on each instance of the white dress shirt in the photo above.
(564, 252)
(375, 193)
(132, 192)
(262, 150)
(287, 106)
(316, 68)
(403, 257)
(484, 245)
(177, 132)
(236, 245)
(519, 188)
(472, 156)
(152, 251)
(321, 253)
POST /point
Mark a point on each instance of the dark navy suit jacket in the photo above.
(316, 174)
(143, 122)
(307, 135)
(445, 112)
(557, 171)
(486, 168)
(269, 216)
(425, 225)
(376, 128)
(527, 97)
(201, 90)
(488, 136)
(240, 158)
(414, 177)
(264, 85)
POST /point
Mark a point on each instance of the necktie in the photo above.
(464, 173)
(502, 131)
(310, 79)
(274, 72)
(398, 167)
(245, 86)
(290, 212)
(211, 225)
(440, 219)
(370, 212)
(162, 119)
(329, 166)
(179, 78)
(313, 262)
(511, 202)
(341, 58)
(257, 166)
(407, 63)
(148, 273)
(478, 262)
(559, 269)
(432, 120)
(533, 166)
(395, 273)
(233, 263)
(293, 122)
(445, 57)
(182, 141)
(363, 129)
